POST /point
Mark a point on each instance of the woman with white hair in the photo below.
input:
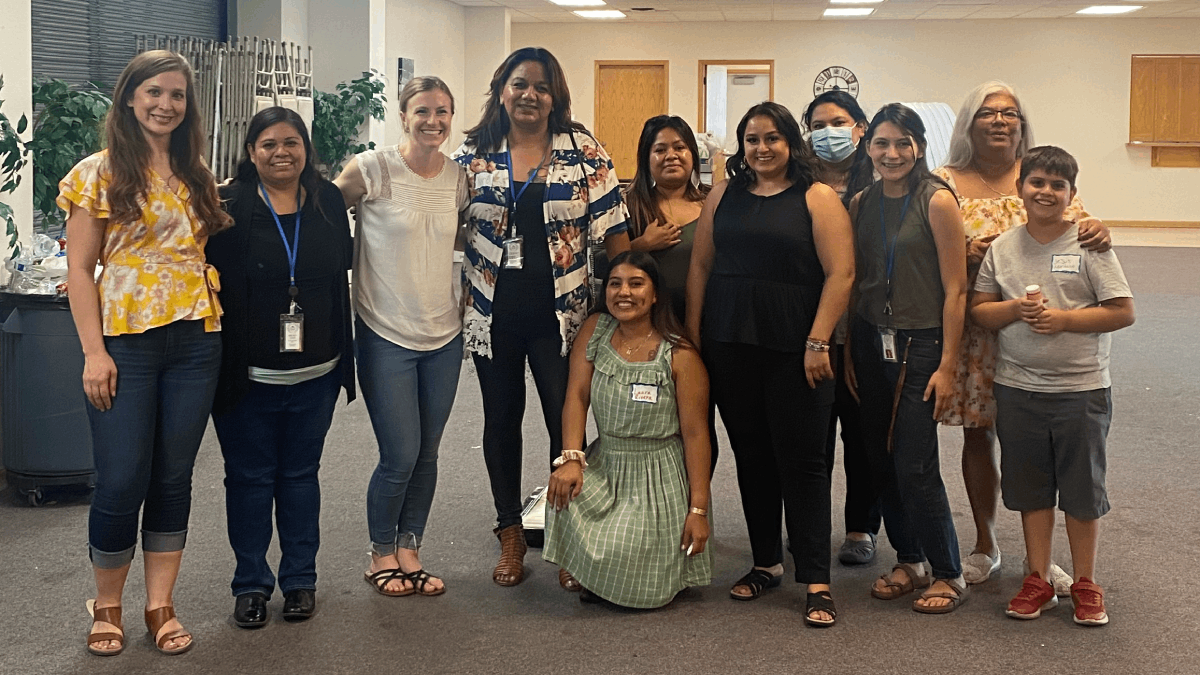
(991, 134)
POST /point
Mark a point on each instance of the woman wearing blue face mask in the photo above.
(836, 123)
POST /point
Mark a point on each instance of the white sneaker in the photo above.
(1056, 576)
(979, 567)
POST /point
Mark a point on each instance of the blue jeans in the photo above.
(272, 442)
(409, 395)
(145, 446)
(907, 477)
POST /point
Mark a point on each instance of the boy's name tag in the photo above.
(644, 393)
(514, 256)
(888, 337)
(291, 332)
(1065, 262)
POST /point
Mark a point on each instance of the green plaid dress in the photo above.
(620, 536)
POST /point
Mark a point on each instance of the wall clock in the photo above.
(836, 78)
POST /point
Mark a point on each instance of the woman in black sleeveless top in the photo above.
(770, 275)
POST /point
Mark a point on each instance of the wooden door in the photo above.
(627, 94)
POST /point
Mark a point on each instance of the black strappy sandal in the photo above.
(821, 601)
(379, 581)
(757, 581)
(420, 581)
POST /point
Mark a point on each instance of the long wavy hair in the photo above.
(910, 123)
(662, 317)
(493, 125)
(129, 152)
(640, 196)
(962, 148)
(802, 165)
(310, 178)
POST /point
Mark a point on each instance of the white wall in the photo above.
(433, 34)
(1073, 75)
(16, 65)
(490, 29)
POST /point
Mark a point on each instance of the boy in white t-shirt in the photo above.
(1052, 387)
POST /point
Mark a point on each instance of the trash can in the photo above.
(46, 438)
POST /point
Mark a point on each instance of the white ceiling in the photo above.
(532, 11)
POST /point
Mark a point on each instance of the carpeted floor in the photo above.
(1149, 543)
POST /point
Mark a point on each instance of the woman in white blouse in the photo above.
(408, 327)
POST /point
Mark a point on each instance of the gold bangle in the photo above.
(698, 511)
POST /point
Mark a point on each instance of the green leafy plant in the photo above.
(337, 118)
(68, 126)
(12, 160)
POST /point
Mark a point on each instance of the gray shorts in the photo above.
(1052, 445)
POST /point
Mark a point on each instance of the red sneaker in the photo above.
(1035, 595)
(1089, 603)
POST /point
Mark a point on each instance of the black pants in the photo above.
(862, 502)
(777, 427)
(502, 384)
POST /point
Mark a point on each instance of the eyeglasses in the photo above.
(1009, 114)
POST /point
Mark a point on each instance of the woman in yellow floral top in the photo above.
(143, 209)
(991, 134)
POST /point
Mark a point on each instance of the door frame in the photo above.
(702, 86)
(666, 66)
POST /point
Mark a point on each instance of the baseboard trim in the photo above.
(1153, 223)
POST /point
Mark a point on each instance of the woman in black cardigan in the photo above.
(287, 351)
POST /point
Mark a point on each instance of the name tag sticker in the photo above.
(1066, 262)
(644, 393)
(483, 180)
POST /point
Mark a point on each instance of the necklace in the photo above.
(630, 350)
(989, 185)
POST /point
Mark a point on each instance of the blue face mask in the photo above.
(833, 144)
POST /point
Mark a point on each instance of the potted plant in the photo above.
(337, 118)
(68, 126)
(12, 160)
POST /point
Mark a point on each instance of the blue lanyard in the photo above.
(890, 253)
(529, 179)
(295, 245)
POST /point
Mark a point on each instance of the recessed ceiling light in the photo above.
(600, 14)
(579, 3)
(848, 11)
(1109, 9)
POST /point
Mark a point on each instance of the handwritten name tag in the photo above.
(1065, 262)
(644, 393)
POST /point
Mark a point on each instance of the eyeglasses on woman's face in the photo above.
(988, 114)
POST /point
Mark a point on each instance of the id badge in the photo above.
(888, 337)
(291, 332)
(514, 253)
(644, 393)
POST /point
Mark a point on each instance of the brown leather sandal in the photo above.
(155, 620)
(510, 571)
(893, 589)
(568, 582)
(105, 615)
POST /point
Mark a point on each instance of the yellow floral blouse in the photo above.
(154, 269)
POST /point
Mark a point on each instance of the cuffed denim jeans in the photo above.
(409, 395)
(272, 442)
(916, 512)
(145, 446)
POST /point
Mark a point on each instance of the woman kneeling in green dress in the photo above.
(630, 522)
